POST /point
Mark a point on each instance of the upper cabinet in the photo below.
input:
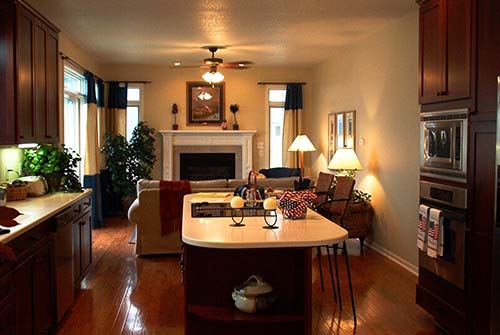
(29, 76)
(445, 73)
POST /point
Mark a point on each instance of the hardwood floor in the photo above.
(124, 294)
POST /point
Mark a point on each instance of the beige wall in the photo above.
(169, 86)
(377, 77)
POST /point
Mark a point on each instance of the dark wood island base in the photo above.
(210, 275)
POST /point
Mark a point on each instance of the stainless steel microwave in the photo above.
(443, 144)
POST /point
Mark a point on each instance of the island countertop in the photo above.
(313, 230)
(36, 210)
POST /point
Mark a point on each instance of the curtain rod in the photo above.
(130, 81)
(278, 83)
(75, 63)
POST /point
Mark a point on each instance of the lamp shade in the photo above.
(213, 77)
(301, 143)
(345, 159)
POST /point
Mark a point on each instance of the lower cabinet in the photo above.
(34, 298)
(82, 246)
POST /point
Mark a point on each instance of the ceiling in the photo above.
(269, 32)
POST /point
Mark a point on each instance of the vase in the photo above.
(236, 126)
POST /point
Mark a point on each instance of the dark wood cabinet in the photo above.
(445, 54)
(82, 239)
(29, 75)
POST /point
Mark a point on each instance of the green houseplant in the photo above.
(57, 164)
(127, 162)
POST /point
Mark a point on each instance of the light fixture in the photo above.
(27, 145)
(213, 76)
(176, 63)
(301, 144)
(345, 160)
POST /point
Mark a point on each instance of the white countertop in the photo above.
(36, 210)
(314, 230)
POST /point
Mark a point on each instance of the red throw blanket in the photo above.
(171, 197)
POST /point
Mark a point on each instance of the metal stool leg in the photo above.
(320, 270)
(350, 283)
(331, 273)
(335, 249)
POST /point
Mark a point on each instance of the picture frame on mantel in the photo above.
(341, 131)
(205, 103)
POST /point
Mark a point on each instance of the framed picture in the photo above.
(205, 104)
(341, 131)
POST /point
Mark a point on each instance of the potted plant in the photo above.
(234, 108)
(57, 164)
(175, 110)
(129, 162)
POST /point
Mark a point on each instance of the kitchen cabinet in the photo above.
(29, 76)
(445, 57)
(82, 240)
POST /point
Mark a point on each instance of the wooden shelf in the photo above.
(232, 315)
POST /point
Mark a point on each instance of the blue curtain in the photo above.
(91, 178)
(117, 108)
(293, 99)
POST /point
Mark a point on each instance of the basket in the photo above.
(17, 193)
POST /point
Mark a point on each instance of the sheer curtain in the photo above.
(292, 122)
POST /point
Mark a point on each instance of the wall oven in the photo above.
(443, 144)
(452, 201)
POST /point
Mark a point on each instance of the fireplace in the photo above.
(205, 166)
(177, 142)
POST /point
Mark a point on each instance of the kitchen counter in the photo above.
(216, 232)
(36, 210)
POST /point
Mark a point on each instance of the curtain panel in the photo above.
(292, 122)
(117, 104)
(92, 156)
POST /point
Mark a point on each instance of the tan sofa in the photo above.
(145, 210)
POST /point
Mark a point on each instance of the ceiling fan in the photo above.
(213, 75)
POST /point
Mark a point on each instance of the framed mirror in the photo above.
(341, 131)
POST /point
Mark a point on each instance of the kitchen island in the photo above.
(217, 257)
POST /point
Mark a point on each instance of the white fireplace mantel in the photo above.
(212, 138)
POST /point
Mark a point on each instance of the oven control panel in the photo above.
(444, 194)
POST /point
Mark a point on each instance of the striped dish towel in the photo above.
(423, 224)
(435, 234)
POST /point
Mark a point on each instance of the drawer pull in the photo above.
(86, 203)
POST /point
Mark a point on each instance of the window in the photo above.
(75, 113)
(134, 107)
(276, 106)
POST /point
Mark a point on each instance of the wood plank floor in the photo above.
(123, 294)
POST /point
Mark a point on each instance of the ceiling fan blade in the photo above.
(239, 65)
(186, 66)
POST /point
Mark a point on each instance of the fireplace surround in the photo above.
(177, 142)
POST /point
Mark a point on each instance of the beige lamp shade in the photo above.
(301, 143)
(345, 159)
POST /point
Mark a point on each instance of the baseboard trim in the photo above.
(393, 257)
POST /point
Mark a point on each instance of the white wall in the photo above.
(377, 77)
(169, 86)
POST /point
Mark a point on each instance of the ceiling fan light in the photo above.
(213, 77)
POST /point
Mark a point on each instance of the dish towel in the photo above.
(435, 234)
(423, 225)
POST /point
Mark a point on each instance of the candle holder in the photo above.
(237, 222)
(270, 215)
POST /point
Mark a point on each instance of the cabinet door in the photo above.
(23, 298)
(44, 294)
(431, 40)
(52, 111)
(86, 242)
(25, 76)
(76, 253)
(40, 94)
(458, 49)
(7, 320)
(7, 72)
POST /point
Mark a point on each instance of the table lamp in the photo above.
(301, 144)
(345, 160)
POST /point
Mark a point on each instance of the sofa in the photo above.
(145, 210)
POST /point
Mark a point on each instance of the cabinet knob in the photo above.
(21, 136)
(438, 93)
(445, 93)
(82, 223)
